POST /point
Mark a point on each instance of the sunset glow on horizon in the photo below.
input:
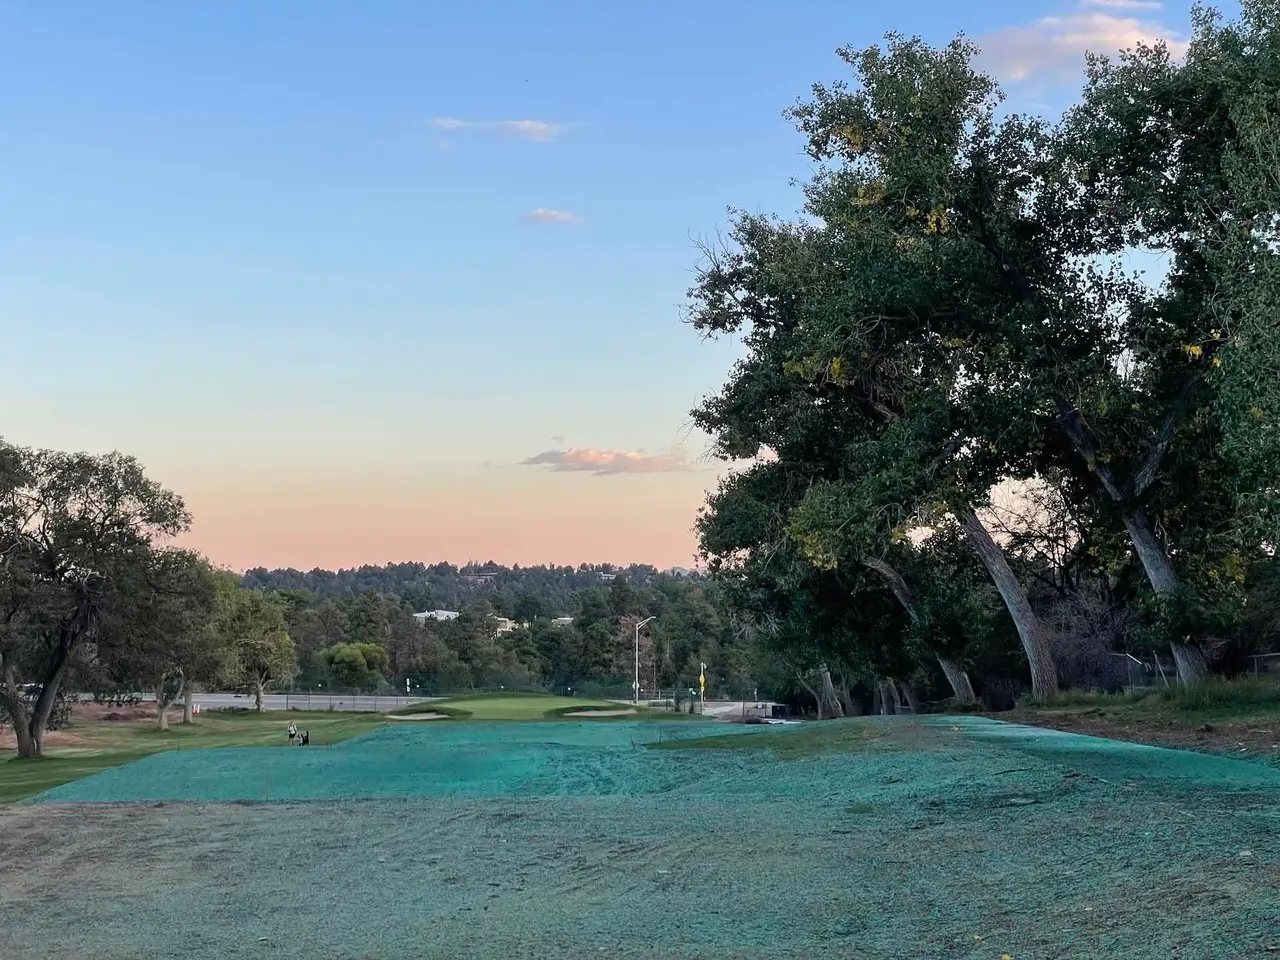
(498, 514)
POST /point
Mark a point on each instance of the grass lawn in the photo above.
(513, 706)
(104, 744)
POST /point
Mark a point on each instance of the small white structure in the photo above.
(562, 621)
(435, 615)
(504, 625)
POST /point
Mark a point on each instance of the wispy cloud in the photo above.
(600, 462)
(542, 215)
(540, 130)
(1053, 48)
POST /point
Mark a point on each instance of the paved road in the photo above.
(303, 701)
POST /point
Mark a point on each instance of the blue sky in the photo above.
(263, 243)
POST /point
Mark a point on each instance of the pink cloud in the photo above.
(1056, 45)
(600, 461)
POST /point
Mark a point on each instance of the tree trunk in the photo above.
(908, 696)
(961, 687)
(1193, 668)
(258, 689)
(897, 585)
(1151, 553)
(888, 698)
(19, 715)
(1034, 635)
(164, 701)
(188, 704)
(828, 691)
(817, 698)
(846, 701)
(877, 700)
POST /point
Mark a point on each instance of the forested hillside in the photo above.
(355, 629)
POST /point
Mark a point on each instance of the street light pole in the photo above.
(636, 689)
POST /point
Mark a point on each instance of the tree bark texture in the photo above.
(164, 701)
(827, 689)
(1193, 668)
(888, 698)
(908, 701)
(961, 687)
(1032, 632)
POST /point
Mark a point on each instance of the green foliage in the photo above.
(80, 540)
(958, 310)
(260, 652)
(357, 666)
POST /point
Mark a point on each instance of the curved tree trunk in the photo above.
(961, 686)
(188, 704)
(1032, 632)
(259, 687)
(959, 680)
(1193, 668)
(817, 699)
(897, 584)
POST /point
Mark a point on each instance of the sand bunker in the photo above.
(418, 716)
(601, 713)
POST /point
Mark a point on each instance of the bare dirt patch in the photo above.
(97, 712)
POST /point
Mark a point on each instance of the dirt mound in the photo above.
(121, 713)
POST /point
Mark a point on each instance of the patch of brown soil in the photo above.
(124, 714)
(1245, 739)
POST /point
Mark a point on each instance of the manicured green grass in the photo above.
(107, 744)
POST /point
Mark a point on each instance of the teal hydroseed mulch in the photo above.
(934, 839)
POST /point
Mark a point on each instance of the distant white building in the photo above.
(562, 621)
(504, 625)
(426, 615)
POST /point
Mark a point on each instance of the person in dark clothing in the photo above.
(306, 737)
